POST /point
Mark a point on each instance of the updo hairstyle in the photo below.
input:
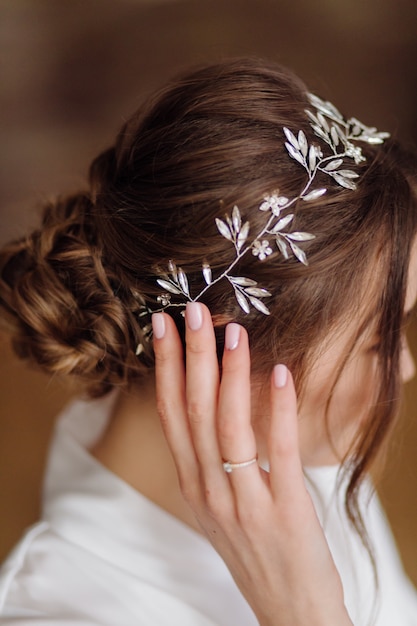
(73, 291)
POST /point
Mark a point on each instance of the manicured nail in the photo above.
(231, 340)
(280, 376)
(194, 315)
(158, 325)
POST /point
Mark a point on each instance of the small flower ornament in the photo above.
(340, 137)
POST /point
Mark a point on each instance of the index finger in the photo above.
(170, 390)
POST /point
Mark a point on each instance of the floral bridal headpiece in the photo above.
(339, 139)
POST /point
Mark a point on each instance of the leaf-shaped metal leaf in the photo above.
(348, 173)
(282, 247)
(341, 133)
(208, 277)
(325, 107)
(183, 280)
(243, 235)
(168, 286)
(224, 229)
(147, 330)
(236, 219)
(282, 223)
(333, 165)
(312, 117)
(344, 182)
(259, 305)
(291, 138)
(172, 268)
(316, 193)
(375, 138)
(334, 135)
(243, 282)
(298, 236)
(323, 122)
(243, 303)
(312, 158)
(294, 154)
(320, 133)
(302, 142)
(259, 292)
(300, 254)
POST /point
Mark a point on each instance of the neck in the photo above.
(134, 448)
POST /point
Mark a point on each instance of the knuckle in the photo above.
(197, 346)
(162, 357)
(285, 448)
(189, 491)
(195, 412)
(217, 507)
(213, 503)
(232, 365)
(163, 411)
(251, 520)
(227, 431)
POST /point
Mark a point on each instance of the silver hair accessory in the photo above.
(339, 136)
(143, 315)
(229, 466)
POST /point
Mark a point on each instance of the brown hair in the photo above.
(73, 290)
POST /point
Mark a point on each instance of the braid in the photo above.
(67, 311)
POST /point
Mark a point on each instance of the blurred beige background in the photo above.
(72, 71)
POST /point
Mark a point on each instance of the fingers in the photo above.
(236, 436)
(206, 422)
(170, 392)
(284, 453)
(237, 442)
(202, 383)
(187, 403)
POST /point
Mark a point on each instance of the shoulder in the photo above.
(47, 579)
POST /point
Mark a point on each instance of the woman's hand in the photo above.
(262, 524)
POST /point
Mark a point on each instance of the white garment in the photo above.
(105, 555)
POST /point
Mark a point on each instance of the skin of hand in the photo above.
(263, 524)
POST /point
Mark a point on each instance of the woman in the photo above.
(234, 205)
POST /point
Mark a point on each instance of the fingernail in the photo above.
(280, 376)
(158, 325)
(231, 340)
(194, 315)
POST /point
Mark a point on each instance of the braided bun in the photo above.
(61, 305)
